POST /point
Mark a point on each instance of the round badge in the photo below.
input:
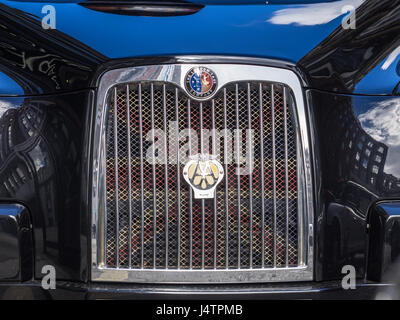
(200, 82)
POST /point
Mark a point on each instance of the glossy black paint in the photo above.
(41, 165)
(347, 56)
(397, 89)
(16, 254)
(358, 165)
(42, 61)
(384, 242)
(45, 140)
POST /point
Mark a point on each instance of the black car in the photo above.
(199, 149)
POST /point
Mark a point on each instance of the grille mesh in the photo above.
(152, 220)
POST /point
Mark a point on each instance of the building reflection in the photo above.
(358, 167)
(360, 158)
(40, 157)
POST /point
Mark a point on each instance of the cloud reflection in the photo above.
(6, 105)
(313, 14)
(382, 123)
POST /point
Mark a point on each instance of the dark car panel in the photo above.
(42, 155)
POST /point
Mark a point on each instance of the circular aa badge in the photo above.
(200, 82)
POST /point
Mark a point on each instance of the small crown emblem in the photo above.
(203, 173)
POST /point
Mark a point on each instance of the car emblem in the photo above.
(203, 173)
(200, 82)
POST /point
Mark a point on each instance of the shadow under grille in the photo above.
(153, 221)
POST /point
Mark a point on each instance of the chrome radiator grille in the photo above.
(151, 220)
(251, 223)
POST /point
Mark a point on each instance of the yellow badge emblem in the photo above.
(203, 173)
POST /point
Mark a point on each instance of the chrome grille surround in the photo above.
(174, 74)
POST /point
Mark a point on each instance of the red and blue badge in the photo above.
(201, 82)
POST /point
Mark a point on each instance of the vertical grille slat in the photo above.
(202, 201)
(128, 128)
(153, 221)
(178, 178)
(214, 151)
(116, 175)
(141, 179)
(190, 192)
(273, 170)
(262, 176)
(250, 196)
(166, 177)
(238, 141)
(286, 178)
(225, 125)
(154, 180)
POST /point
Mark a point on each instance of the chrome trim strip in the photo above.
(174, 73)
(202, 276)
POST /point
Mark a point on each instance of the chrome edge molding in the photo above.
(226, 73)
